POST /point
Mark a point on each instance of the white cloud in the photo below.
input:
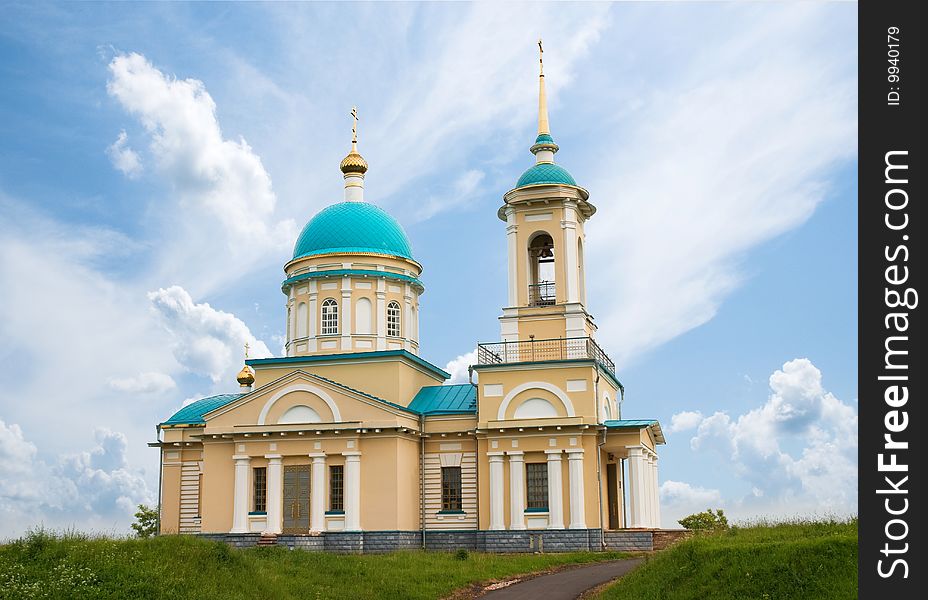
(461, 190)
(218, 218)
(458, 368)
(799, 413)
(94, 488)
(736, 150)
(206, 341)
(684, 421)
(124, 158)
(679, 499)
(144, 383)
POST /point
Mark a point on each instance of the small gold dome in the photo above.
(354, 163)
(246, 376)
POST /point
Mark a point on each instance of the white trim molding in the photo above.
(535, 385)
(300, 387)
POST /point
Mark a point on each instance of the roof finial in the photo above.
(541, 59)
(246, 377)
(354, 166)
(354, 129)
(247, 347)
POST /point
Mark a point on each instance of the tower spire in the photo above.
(354, 166)
(544, 146)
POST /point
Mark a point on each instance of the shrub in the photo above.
(461, 554)
(706, 521)
(146, 521)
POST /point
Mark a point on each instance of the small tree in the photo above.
(146, 521)
(706, 521)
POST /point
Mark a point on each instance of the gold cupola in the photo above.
(354, 166)
(246, 377)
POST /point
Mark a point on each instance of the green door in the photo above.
(296, 499)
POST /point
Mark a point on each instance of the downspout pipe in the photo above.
(599, 465)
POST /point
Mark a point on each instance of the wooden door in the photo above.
(612, 493)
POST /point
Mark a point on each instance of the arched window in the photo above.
(393, 319)
(301, 320)
(535, 408)
(541, 291)
(329, 317)
(362, 319)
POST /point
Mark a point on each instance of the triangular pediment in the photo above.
(300, 398)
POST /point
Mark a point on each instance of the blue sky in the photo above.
(157, 160)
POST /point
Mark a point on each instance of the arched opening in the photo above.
(541, 291)
(607, 409)
(363, 311)
(329, 317)
(300, 414)
(393, 319)
(301, 320)
(535, 408)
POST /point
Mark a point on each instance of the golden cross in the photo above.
(354, 127)
(247, 346)
(541, 59)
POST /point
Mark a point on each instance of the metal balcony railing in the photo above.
(541, 294)
(497, 353)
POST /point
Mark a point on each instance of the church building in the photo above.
(353, 442)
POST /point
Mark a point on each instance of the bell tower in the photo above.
(545, 213)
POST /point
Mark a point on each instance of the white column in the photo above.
(657, 495)
(649, 478)
(555, 491)
(313, 316)
(381, 316)
(240, 494)
(346, 309)
(635, 486)
(513, 250)
(275, 485)
(575, 471)
(317, 494)
(405, 324)
(516, 490)
(352, 491)
(569, 225)
(496, 490)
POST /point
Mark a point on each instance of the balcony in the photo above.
(498, 353)
(541, 294)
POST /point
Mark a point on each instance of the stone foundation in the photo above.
(510, 542)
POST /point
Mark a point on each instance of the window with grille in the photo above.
(260, 479)
(337, 487)
(451, 488)
(536, 475)
(329, 317)
(393, 319)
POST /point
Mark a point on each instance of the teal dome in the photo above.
(352, 227)
(545, 173)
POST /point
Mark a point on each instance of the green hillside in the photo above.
(786, 561)
(41, 565)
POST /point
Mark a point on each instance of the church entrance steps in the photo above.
(267, 539)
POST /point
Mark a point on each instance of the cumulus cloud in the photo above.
(207, 341)
(461, 189)
(799, 413)
(458, 368)
(96, 487)
(143, 383)
(124, 159)
(221, 198)
(677, 495)
(684, 421)
(735, 150)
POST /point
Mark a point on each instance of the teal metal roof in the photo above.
(544, 138)
(546, 173)
(359, 392)
(254, 362)
(638, 424)
(349, 272)
(352, 227)
(445, 399)
(192, 414)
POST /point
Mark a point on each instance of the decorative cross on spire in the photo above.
(541, 59)
(354, 127)
(247, 347)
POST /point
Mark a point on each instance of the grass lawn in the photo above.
(42, 565)
(785, 561)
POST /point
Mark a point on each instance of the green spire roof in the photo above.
(352, 227)
(545, 173)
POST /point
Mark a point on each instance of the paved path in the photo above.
(567, 584)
